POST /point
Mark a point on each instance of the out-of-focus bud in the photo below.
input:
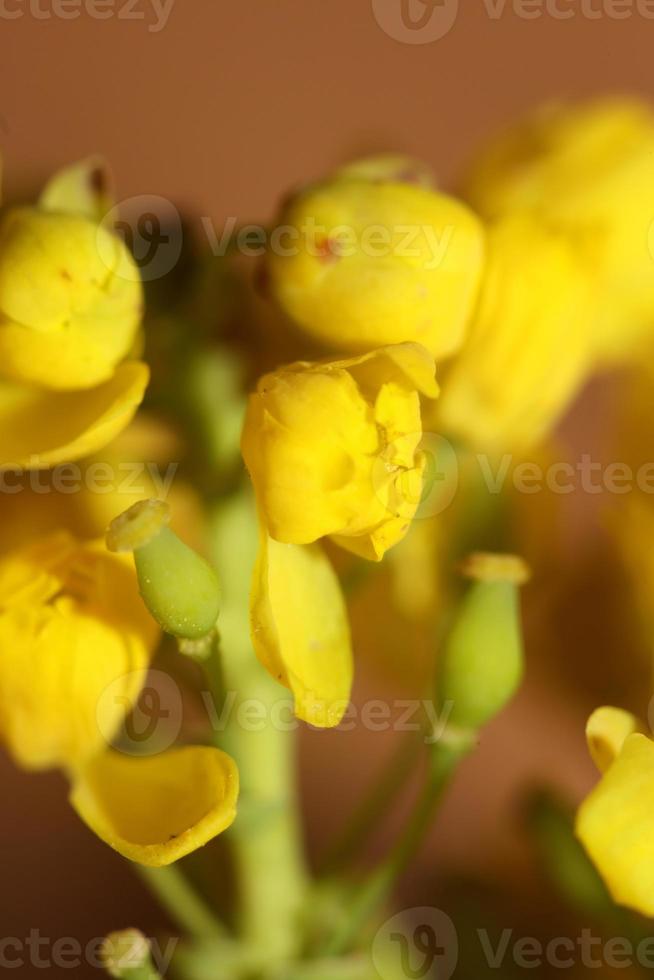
(364, 260)
(70, 300)
(588, 169)
(180, 588)
(529, 346)
(482, 662)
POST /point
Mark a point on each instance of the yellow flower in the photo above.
(75, 645)
(71, 624)
(529, 344)
(587, 168)
(616, 821)
(360, 262)
(70, 311)
(332, 448)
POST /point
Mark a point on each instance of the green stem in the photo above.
(266, 838)
(370, 895)
(182, 902)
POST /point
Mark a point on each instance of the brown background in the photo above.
(221, 111)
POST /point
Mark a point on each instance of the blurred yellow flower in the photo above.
(528, 349)
(333, 448)
(75, 646)
(70, 312)
(587, 169)
(616, 821)
(359, 262)
(71, 625)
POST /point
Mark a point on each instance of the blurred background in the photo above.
(221, 108)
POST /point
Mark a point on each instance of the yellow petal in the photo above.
(606, 732)
(587, 169)
(616, 825)
(75, 644)
(43, 428)
(156, 809)
(409, 364)
(300, 631)
(529, 346)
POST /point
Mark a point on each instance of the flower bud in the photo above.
(367, 262)
(587, 169)
(482, 661)
(333, 448)
(180, 588)
(70, 300)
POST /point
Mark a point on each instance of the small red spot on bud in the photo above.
(327, 249)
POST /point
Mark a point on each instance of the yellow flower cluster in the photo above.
(75, 639)
(541, 275)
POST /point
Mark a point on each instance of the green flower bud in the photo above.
(179, 587)
(482, 661)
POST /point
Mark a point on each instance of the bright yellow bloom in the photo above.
(300, 630)
(75, 645)
(529, 344)
(70, 311)
(616, 821)
(360, 262)
(332, 448)
(156, 810)
(71, 625)
(588, 169)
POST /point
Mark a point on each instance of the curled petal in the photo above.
(606, 731)
(154, 810)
